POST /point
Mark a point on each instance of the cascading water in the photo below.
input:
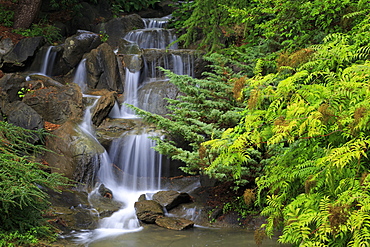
(131, 168)
(80, 75)
(154, 38)
(48, 61)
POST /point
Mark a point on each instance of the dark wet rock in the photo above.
(167, 59)
(148, 211)
(105, 192)
(56, 104)
(171, 199)
(75, 154)
(152, 96)
(77, 45)
(103, 106)
(11, 84)
(142, 198)
(173, 223)
(103, 202)
(128, 47)
(21, 54)
(44, 81)
(102, 69)
(22, 115)
(70, 211)
(6, 46)
(119, 27)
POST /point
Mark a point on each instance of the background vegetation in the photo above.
(301, 141)
(23, 184)
(283, 113)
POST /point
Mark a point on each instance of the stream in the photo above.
(139, 165)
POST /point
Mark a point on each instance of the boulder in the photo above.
(103, 107)
(21, 54)
(119, 27)
(22, 115)
(148, 210)
(173, 223)
(152, 96)
(56, 104)
(101, 199)
(171, 199)
(102, 69)
(11, 84)
(75, 154)
(77, 45)
(6, 46)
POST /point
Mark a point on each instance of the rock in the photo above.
(45, 81)
(21, 54)
(75, 154)
(119, 27)
(105, 192)
(171, 199)
(11, 84)
(174, 223)
(6, 46)
(148, 211)
(102, 69)
(22, 115)
(103, 202)
(155, 94)
(56, 104)
(103, 107)
(77, 45)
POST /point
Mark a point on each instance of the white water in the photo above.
(130, 167)
(130, 89)
(48, 62)
(80, 77)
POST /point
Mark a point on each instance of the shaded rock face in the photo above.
(77, 45)
(56, 104)
(171, 199)
(24, 116)
(152, 96)
(102, 69)
(19, 56)
(10, 85)
(118, 27)
(173, 223)
(75, 154)
(148, 210)
(103, 202)
(103, 106)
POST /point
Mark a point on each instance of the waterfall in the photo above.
(81, 75)
(48, 61)
(156, 39)
(132, 167)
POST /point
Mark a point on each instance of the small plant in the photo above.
(6, 17)
(51, 33)
(22, 92)
(103, 36)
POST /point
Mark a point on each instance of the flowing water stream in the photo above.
(130, 167)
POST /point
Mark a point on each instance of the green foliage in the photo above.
(120, 6)
(23, 200)
(51, 33)
(73, 5)
(310, 124)
(6, 16)
(211, 30)
(288, 24)
(204, 109)
(182, 12)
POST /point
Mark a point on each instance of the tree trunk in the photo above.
(25, 13)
